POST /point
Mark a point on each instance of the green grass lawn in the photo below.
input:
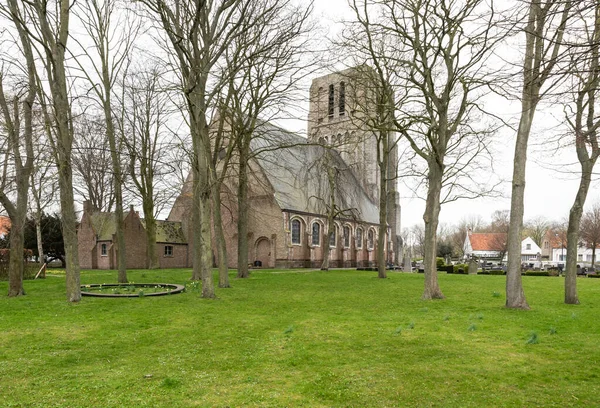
(301, 338)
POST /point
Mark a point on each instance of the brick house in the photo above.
(288, 196)
(96, 234)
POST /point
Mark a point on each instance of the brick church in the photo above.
(290, 191)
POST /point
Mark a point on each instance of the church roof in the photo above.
(298, 175)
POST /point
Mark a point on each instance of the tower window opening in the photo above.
(342, 101)
(331, 101)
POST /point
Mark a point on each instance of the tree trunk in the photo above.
(515, 296)
(383, 158)
(15, 266)
(243, 211)
(118, 186)
(148, 206)
(331, 209)
(431, 218)
(573, 231)
(69, 229)
(220, 236)
(38, 236)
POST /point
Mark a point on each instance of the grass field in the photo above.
(301, 339)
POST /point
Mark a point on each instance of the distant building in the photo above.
(493, 246)
(4, 226)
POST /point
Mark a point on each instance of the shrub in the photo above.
(439, 262)
(536, 273)
(461, 269)
(593, 276)
(446, 268)
(497, 272)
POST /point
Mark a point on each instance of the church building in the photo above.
(293, 183)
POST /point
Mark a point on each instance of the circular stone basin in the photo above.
(116, 290)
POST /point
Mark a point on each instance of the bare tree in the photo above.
(437, 51)
(44, 26)
(544, 34)
(536, 228)
(17, 143)
(199, 33)
(143, 125)
(270, 60)
(584, 122)
(91, 162)
(590, 230)
(43, 186)
(112, 32)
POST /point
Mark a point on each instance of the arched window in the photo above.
(346, 231)
(342, 100)
(296, 232)
(370, 239)
(333, 236)
(359, 238)
(316, 233)
(331, 101)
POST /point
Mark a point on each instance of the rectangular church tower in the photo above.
(341, 115)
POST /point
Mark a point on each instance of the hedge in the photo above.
(536, 273)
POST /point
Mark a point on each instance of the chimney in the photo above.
(131, 208)
(87, 206)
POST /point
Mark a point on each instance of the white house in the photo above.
(584, 255)
(530, 251)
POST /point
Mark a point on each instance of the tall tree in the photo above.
(145, 112)
(583, 120)
(437, 51)
(18, 145)
(544, 35)
(269, 59)
(112, 32)
(46, 25)
(199, 33)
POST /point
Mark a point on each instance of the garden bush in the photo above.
(461, 269)
(536, 273)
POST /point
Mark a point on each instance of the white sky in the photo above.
(551, 184)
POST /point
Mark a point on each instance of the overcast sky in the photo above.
(551, 183)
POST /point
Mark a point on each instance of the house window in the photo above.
(370, 239)
(580, 257)
(316, 233)
(342, 104)
(103, 249)
(333, 236)
(331, 101)
(346, 236)
(296, 232)
(562, 257)
(528, 247)
(588, 258)
(359, 238)
(168, 250)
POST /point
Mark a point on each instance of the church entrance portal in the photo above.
(263, 252)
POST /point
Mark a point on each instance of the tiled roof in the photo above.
(488, 241)
(168, 231)
(4, 225)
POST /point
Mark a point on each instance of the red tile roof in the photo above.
(4, 225)
(488, 241)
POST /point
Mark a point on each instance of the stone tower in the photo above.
(337, 117)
